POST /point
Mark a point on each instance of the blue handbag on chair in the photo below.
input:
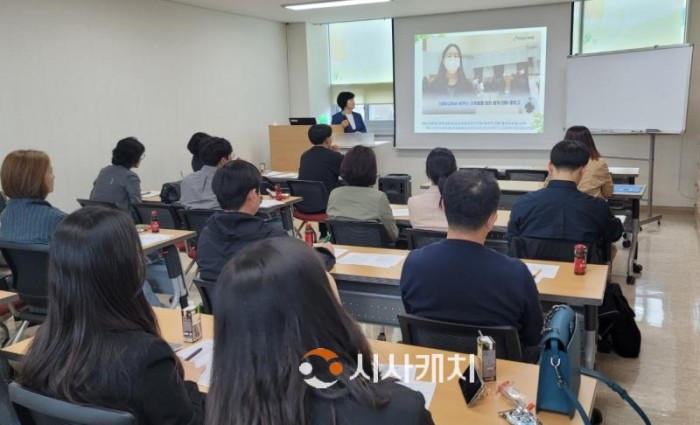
(560, 370)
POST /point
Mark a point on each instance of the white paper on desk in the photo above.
(339, 252)
(272, 173)
(267, 203)
(425, 388)
(400, 212)
(203, 358)
(545, 271)
(289, 175)
(622, 218)
(405, 373)
(149, 193)
(151, 238)
(382, 261)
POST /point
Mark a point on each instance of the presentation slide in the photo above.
(480, 81)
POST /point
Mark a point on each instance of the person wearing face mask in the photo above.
(451, 80)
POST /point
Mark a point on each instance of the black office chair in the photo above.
(314, 201)
(205, 288)
(35, 409)
(91, 203)
(556, 250)
(527, 175)
(418, 238)
(359, 233)
(492, 171)
(508, 198)
(457, 337)
(3, 201)
(168, 215)
(30, 266)
(498, 245)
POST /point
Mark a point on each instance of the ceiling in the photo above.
(273, 10)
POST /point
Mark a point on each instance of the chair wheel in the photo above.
(637, 268)
(630, 280)
(626, 244)
(596, 416)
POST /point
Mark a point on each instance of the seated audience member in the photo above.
(195, 188)
(274, 304)
(322, 162)
(100, 344)
(193, 146)
(116, 183)
(596, 179)
(424, 209)
(560, 211)
(237, 188)
(351, 121)
(460, 280)
(27, 179)
(359, 200)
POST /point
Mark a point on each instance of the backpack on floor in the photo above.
(616, 323)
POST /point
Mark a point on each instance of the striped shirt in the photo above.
(27, 220)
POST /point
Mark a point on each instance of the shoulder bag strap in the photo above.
(618, 389)
(555, 362)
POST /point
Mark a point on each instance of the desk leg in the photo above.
(591, 320)
(633, 242)
(174, 266)
(287, 219)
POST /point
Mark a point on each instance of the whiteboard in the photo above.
(630, 91)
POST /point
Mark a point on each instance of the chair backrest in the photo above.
(418, 238)
(508, 198)
(90, 203)
(397, 188)
(168, 216)
(205, 288)
(36, 409)
(457, 337)
(556, 250)
(493, 171)
(314, 195)
(196, 219)
(3, 201)
(527, 175)
(30, 268)
(359, 233)
(498, 245)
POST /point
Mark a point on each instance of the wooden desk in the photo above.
(447, 406)
(372, 295)
(285, 210)
(8, 297)
(520, 186)
(174, 236)
(501, 221)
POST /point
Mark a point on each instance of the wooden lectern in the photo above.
(287, 143)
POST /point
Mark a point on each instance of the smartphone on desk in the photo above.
(472, 385)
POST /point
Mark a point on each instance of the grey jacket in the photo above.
(117, 184)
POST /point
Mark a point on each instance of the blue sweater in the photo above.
(465, 282)
(29, 221)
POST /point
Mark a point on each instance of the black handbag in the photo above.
(170, 192)
(560, 373)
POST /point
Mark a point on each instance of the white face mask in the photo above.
(452, 64)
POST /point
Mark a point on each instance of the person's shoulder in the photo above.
(403, 400)
(142, 348)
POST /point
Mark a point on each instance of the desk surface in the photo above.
(173, 236)
(289, 200)
(447, 406)
(8, 297)
(615, 171)
(566, 287)
(501, 220)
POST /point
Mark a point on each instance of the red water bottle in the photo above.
(580, 254)
(309, 235)
(155, 225)
(278, 192)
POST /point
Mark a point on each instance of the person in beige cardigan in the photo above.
(596, 180)
(424, 209)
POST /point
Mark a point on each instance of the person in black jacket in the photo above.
(321, 163)
(274, 304)
(100, 344)
(237, 188)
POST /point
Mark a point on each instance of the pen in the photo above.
(536, 273)
(191, 356)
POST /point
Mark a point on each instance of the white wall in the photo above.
(309, 71)
(78, 75)
(676, 156)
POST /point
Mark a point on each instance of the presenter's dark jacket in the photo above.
(406, 407)
(560, 211)
(228, 232)
(359, 122)
(465, 282)
(154, 390)
(322, 165)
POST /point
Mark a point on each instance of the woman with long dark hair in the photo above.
(274, 304)
(596, 179)
(100, 344)
(451, 79)
(424, 209)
